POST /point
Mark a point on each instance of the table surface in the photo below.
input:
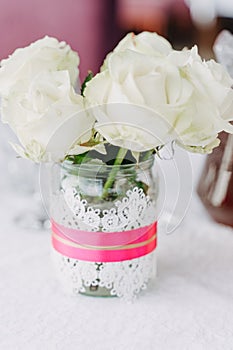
(189, 305)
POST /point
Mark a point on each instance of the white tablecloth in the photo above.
(189, 306)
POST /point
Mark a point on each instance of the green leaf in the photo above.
(86, 80)
(80, 158)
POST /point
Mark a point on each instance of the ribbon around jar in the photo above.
(104, 246)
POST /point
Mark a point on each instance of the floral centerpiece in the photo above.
(102, 141)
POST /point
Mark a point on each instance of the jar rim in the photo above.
(69, 165)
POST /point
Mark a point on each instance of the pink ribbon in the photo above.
(104, 246)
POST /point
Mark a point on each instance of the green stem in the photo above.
(147, 155)
(111, 178)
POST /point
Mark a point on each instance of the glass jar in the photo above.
(215, 187)
(116, 208)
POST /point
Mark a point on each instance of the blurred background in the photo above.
(94, 27)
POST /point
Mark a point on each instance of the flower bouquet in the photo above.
(102, 140)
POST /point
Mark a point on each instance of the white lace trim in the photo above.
(133, 211)
(123, 279)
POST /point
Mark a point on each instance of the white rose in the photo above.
(47, 116)
(170, 99)
(210, 106)
(146, 42)
(137, 100)
(44, 54)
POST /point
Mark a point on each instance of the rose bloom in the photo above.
(44, 54)
(210, 107)
(143, 100)
(47, 116)
(145, 42)
(39, 102)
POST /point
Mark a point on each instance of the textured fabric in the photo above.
(188, 307)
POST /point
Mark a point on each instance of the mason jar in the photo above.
(104, 226)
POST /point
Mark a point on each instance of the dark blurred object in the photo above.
(215, 187)
(225, 23)
(181, 31)
(169, 18)
(139, 15)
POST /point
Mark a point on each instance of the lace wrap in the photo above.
(122, 278)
